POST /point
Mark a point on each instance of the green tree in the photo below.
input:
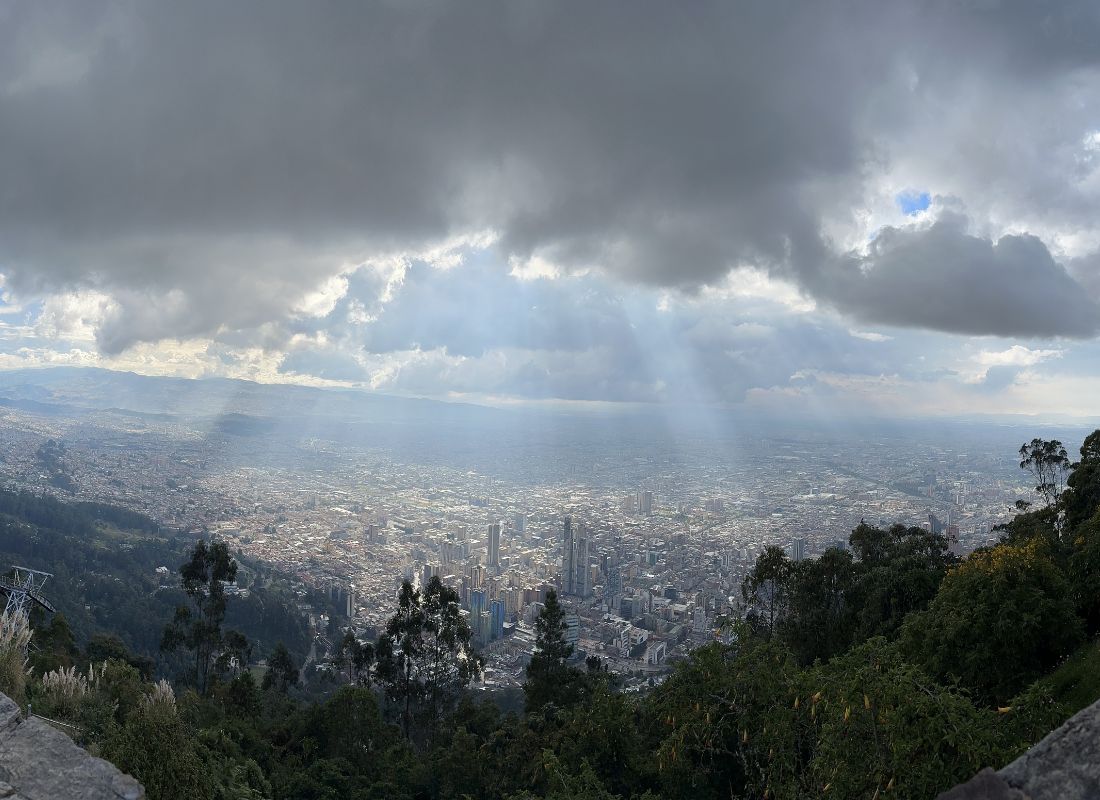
(899, 571)
(880, 726)
(1040, 524)
(550, 678)
(1084, 573)
(159, 749)
(724, 723)
(349, 727)
(203, 578)
(1048, 461)
(1000, 620)
(107, 646)
(821, 620)
(355, 658)
(235, 655)
(1082, 498)
(603, 732)
(282, 672)
(425, 657)
(766, 590)
(55, 646)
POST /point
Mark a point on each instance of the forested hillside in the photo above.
(104, 561)
(891, 669)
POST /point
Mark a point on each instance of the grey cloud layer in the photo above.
(944, 279)
(590, 339)
(207, 164)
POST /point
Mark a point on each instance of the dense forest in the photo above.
(890, 669)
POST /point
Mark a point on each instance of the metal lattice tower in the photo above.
(24, 586)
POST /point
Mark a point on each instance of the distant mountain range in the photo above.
(74, 388)
(244, 408)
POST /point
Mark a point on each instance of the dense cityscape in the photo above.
(647, 547)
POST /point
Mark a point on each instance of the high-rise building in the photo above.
(626, 608)
(479, 601)
(496, 612)
(581, 581)
(953, 545)
(575, 568)
(483, 627)
(350, 610)
(521, 523)
(430, 571)
(567, 556)
(798, 549)
(476, 574)
(645, 502)
(572, 629)
(614, 580)
(494, 545)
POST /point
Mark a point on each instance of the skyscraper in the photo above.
(798, 550)
(494, 545)
(567, 561)
(496, 613)
(580, 564)
(645, 502)
(575, 577)
(479, 601)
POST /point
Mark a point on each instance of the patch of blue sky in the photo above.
(912, 202)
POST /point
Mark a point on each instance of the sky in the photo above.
(887, 208)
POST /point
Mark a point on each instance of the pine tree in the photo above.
(550, 679)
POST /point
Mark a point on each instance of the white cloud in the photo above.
(533, 268)
(322, 300)
(73, 316)
(1016, 356)
(756, 284)
(869, 336)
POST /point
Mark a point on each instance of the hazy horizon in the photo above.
(1021, 421)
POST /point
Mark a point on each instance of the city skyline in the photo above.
(646, 531)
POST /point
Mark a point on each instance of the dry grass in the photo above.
(62, 691)
(15, 636)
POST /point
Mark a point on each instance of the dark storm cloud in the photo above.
(941, 278)
(208, 164)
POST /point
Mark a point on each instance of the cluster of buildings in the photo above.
(647, 546)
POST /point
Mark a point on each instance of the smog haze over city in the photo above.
(347, 285)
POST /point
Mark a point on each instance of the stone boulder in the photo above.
(38, 762)
(1065, 765)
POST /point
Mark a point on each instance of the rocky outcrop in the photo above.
(38, 762)
(1063, 766)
